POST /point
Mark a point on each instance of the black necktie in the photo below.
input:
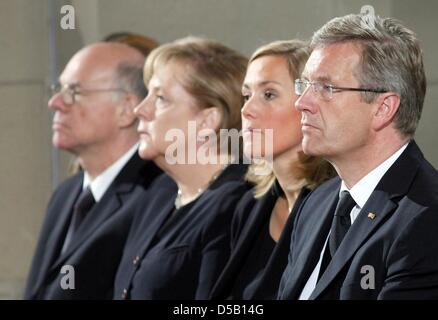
(341, 221)
(340, 225)
(82, 206)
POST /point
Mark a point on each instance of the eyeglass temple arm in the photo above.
(360, 89)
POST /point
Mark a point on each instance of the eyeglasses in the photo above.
(68, 92)
(325, 91)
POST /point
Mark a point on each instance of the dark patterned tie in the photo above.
(340, 225)
(82, 206)
(341, 221)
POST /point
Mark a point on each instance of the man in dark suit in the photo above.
(372, 233)
(89, 215)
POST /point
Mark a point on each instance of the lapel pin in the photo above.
(371, 215)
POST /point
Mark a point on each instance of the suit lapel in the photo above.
(394, 183)
(104, 209)
(155, 225)
(110, 203)
(56, 239)
(380, 204)
(258, 217)
(270, 280)
(253, 226)
(233, 172)
(312, 244)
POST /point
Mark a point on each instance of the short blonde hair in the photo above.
(215, 77)
(310, 171)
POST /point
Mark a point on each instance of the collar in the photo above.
(362, 190)
(102, 182)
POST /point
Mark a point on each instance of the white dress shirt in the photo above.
(360, 193)
(102, 182)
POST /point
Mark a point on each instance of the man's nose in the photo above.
(56, 103)
(306, 101)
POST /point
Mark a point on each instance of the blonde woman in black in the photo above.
(179, 243)
(264, 218)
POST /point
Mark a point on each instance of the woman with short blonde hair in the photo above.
(179, 244)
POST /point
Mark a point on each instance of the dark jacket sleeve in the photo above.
(216, 241)
(240, 216)
(412, 264)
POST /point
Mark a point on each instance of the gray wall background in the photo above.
(26, 161)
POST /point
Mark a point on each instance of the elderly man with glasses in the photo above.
(372, 232)
(89, 215)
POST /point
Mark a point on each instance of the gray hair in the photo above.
(392, 60)
(129, 76)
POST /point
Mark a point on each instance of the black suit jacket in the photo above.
(251, 274)
(391, 256)
(180, 256)
(96, 250)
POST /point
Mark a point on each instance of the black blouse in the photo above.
(256, 263)
(179, 254)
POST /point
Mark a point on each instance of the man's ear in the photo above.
(125, 110)
(209, 118)
(387, 106)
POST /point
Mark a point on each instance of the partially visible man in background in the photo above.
(138, 41)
